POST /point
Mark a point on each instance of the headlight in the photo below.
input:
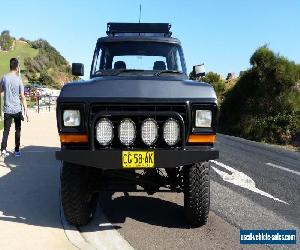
(71, 118)
(203, 118)
(171, 132)
(104, 131)
(127, 131)
(149, 131)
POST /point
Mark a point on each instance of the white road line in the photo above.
(283, 168)
(6, 216)
(38, 151)
(4, 170)
(240, 179)
(2, 215)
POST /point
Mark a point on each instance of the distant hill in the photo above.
(40, 62)
(21, 49)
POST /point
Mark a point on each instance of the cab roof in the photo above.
(160, 29)
(155, 32)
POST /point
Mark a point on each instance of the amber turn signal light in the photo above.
(73, 138)
(202, 138)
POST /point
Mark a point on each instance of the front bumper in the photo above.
(112, 159)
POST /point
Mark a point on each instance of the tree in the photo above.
(49, 67)
(6, 41)
(192, 75)
(259, 106)
(214, 79)
(47, 80)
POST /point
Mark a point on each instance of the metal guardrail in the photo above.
(37, 102)
(41, 101)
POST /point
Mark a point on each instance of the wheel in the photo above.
(78, 199)
(196, 194)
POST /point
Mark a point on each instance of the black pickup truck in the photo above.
(137, 125)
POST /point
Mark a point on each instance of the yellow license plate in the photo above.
(138, 159)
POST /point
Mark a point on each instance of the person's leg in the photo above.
(7, 124)
(17, 119)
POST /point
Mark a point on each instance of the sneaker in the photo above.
(17, 154)
(4, 153)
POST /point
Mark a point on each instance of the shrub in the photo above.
(215, 80)
(262, 104)
(6, 41)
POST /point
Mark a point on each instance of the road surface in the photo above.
(270, 199)
(253, 186)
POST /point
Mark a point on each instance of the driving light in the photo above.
(127, 131)
(149, 131)
(203, 118)
(104, 131)
(71, 118)
(171, 132)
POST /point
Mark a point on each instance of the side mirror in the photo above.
(199, 70)
(77, 69)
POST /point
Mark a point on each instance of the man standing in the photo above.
(12, 86)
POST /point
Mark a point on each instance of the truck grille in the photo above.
(138, 113)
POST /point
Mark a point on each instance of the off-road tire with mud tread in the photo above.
(196, 194)
(78, 200)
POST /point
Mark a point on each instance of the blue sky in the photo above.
(222, 34)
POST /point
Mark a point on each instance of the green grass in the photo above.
(22, 50)
(1, 124)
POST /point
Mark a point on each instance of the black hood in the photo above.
(138, 87)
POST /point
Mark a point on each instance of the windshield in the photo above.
(138, 57)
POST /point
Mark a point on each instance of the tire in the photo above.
(196, 194)
(78, 199)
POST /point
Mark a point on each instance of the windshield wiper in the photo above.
(167, 71)
(127, 70)
(115, 72)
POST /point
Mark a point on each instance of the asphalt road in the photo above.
(253, 186)
(274, 170)
(262, 191)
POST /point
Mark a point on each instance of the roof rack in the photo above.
(157, 29)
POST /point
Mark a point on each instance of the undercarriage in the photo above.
(80, 187)
(150, 180)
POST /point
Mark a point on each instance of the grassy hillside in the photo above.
(22, 50)
(40, 62)
(49, 67)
